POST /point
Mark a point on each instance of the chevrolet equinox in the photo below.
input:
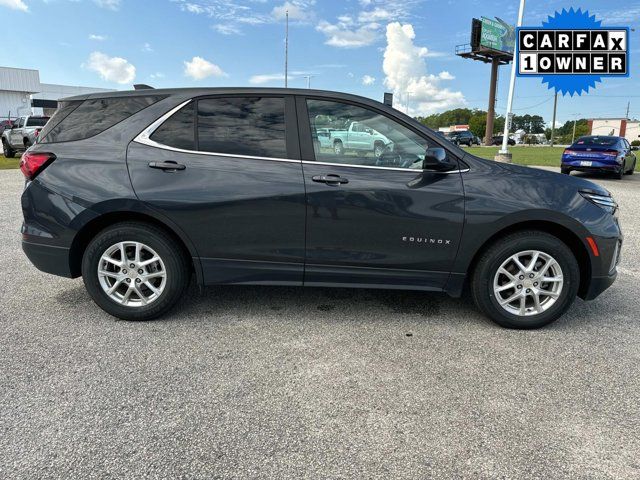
(139, 191)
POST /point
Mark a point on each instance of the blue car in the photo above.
(600, 154)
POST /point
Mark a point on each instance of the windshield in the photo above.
(597, 142)
(37, 121)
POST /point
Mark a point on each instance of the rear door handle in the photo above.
(171, 166)
(330, 179)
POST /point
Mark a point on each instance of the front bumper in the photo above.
(599, 285)
(48, 258)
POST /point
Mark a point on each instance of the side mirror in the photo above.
(436, 159)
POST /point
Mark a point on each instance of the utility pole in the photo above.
(553, 122)
(504, 154)
(628, 108)
(573, 137)
(286, 52)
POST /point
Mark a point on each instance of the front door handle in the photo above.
(330, 179)
(169, 166)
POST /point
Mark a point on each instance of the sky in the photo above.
(364, 47)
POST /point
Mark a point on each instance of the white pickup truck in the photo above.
(22, 134)
(356, 137)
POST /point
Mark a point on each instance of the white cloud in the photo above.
(368, 80)
(112, 69)
(97, 38)
(340, 35)
(297, 11)
(110, 4)
(407, 76)
(227, 29)
(267, 78)
(147, 48)
(198, 68)
(14, 5)
(157, 75)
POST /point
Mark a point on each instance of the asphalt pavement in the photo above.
(271, 382)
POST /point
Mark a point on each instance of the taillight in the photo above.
(36, 133)
(32, 163)
(610, 153)
(569, 152)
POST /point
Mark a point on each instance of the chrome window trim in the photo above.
(144, 138)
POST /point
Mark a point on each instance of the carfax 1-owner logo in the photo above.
(572, 51)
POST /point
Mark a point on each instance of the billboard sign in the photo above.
(498, 35)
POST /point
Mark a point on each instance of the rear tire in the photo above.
(487, 279)
(338, 148)
(7, 151)
(169, 276)
(565, 171)
(619, 175)
(633, 169)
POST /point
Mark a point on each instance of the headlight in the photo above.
(606, 202)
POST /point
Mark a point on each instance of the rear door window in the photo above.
(179, 130)
(244, 126)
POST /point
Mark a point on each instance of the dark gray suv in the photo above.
(140, 191)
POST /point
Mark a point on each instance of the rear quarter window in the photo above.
(93, 116)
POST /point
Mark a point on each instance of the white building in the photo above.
(16, 87)
(21, 93)
(618, 127)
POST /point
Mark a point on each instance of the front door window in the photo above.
(351, 135)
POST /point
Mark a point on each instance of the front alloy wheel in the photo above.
(528, 283)
(525, 280)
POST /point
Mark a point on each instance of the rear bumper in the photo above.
(48, 258)
(596, 165)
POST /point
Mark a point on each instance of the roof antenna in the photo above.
(142, 86)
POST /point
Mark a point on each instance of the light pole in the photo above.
(575, 119)
(309, 77)
(286, 52)
(504, 154)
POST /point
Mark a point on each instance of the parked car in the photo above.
(356, 137)
(497, 140)
(4, 124)
(600, 154)
(139, 191)
(22, 134)
(462, 138)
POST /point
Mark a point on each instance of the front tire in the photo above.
(526, 280)
(7, 151)
(135, 271)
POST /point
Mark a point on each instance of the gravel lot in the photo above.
(248, 382)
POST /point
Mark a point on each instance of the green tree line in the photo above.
(477, 121)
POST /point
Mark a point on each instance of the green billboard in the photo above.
(497, 35)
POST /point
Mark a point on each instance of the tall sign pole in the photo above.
(491, 111)
(504, 154)
(286, 52)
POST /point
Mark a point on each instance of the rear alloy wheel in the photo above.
(526, 280)
(135, 271)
